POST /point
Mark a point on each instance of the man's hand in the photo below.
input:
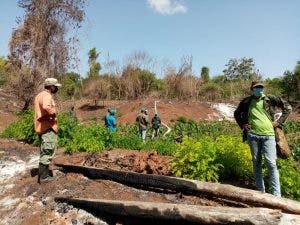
(47, 117)
(275, 124)
(247, 126)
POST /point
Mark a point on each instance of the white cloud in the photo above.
(167, 7)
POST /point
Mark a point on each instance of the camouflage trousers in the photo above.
(48, 147)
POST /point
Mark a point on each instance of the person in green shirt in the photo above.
(255, 115)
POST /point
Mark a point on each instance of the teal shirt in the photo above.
(110, 122)
(259, 119)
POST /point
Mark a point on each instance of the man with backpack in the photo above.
(156, 122)
(255, 115)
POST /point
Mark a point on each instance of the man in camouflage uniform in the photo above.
(46, 126)
(255, 115)
(156, 122)
(142, 120)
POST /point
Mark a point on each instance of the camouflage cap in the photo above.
(51, 82)
(258, 83)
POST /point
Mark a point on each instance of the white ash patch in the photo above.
(72, 215)
(225, 109)
(8, 202)
(12, 167)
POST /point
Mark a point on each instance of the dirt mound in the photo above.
(127, 111)
(169, 111)
(140, 162)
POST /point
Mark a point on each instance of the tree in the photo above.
(71, 84)
(291, 83)
(211, 91)
(138, 82)
(204, 74)
(297, 80)
(44, 43)
(95, 67)
(96, 88)
(243, 68)
(140, 59)
(182, 84)
(3, 70)
(186, 67)
(274, 86)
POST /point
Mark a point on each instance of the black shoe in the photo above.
(46, 179)
(44, 174)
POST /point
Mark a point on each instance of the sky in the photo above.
(211, 31)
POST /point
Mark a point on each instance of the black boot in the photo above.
(44, 174)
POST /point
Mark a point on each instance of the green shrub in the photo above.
(127, 141)
(87, 138)
(67, 125)
(289, 171)
(225, 158)
(196, 160)
(292, 131)
(162, 146)
(22, 129)
(296, 150)
(291, 127)
(128, 129)
(235, 157)
(201, 129)
(181, 119)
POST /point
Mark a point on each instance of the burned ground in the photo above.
(24, 201)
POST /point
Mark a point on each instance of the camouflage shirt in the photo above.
(142, 120)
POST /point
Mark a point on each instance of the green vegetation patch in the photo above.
(210, 151)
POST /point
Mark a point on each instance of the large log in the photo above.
(186, 214)
(187, 186)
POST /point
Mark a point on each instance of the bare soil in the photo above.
(127, 111)
(27, 202)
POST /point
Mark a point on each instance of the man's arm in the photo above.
(285, 107)
(238, 115)
(48, 105)
(49, 108)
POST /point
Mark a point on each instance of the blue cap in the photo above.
(113, 111)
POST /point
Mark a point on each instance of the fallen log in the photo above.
(190, 187)
(180, 212)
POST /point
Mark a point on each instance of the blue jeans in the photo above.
(264, 145)
(142, 135)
